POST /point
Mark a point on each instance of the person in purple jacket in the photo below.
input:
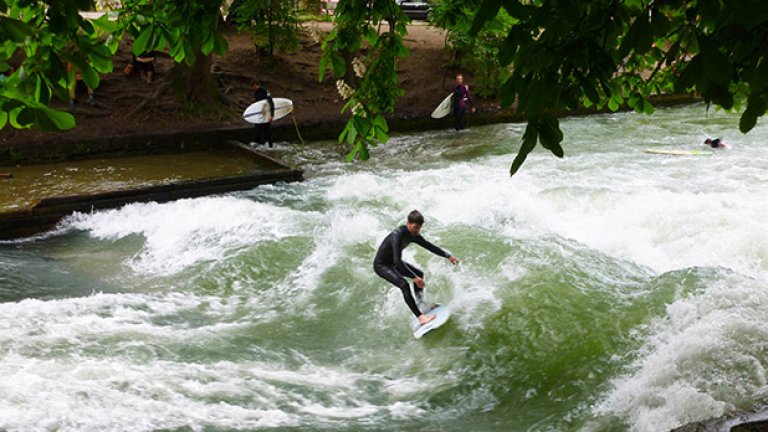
(461, 97)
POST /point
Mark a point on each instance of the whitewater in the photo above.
(611, 290)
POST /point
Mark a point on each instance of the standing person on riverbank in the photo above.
(461, 97)
(390, 266)
(263, 130)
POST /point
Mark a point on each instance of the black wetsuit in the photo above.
(263, 130)
(389, 263)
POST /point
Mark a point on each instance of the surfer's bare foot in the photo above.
(423, 319)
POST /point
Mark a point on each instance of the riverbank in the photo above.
(128, 108)
(117, 124)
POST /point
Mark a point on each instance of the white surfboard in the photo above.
(680, 152)
(258, 112)
(442, 312)
(444, 108)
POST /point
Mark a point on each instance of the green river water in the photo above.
(611, 290)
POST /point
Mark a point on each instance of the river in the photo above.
(611, 290)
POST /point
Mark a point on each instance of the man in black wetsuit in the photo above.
(263, 130)
(389, 264)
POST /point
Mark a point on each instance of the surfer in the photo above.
(389, 264)
(461, 97)
(715, 143)
(263, 130)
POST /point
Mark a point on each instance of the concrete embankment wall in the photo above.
(44, 214)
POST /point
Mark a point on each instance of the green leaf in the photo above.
(509, 48)
(488, 11)
(101, 59)
(550, 135)
(23, 118)
(208, 44)
(756, 107)
(338, 64)
(103, 23)
(630, 39)
(632, 102)
(90, 77)
(51, 120)
(380, 122)
(352, 133)
(691, 74)
(344, 132)
(177, 51)
(747, 121)
(12, 29)
(362, 150)
(508, 92)
(85, 24)
(529, 143)
(589, 90)
(716, 64)
(141, 42)
(613, 105)
(660, 24)
(189, 53)
(3, 119)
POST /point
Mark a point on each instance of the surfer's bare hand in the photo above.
(453, 259)
(419, 282)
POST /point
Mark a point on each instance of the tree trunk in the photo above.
(196, 85)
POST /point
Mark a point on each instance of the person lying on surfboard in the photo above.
(715, 143)
(389, 264)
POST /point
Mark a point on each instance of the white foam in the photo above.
(185, 232)
(698, 362)
(72, 365)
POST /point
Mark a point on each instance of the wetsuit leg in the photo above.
(458, 115)
(257, 128)
(392, 276)
(268, 134)
(410, 270)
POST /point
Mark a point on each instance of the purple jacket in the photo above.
(461, 96)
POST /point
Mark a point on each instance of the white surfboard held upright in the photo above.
(444, 108)
(258, 112)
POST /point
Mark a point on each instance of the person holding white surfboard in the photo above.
(263, 130)
(389, 264)
(461, 97)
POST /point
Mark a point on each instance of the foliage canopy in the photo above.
(549, 56)
(563, 54)
(566, 53)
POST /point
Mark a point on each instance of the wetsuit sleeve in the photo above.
(271, 104)
(469, 96)
(421, 241)
(397, 253)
